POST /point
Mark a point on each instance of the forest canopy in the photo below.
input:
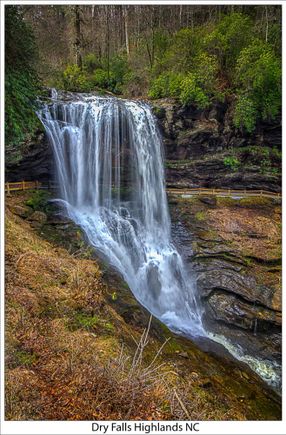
(196, 54)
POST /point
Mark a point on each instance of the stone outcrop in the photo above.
(35, 163)
(233, 249)
(198, 141)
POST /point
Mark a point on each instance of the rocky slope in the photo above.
(75, 343)
(233, 249)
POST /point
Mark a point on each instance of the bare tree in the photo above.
(78, 35)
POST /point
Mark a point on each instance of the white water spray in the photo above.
(109, 162)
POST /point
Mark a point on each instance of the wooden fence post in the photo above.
(8, 189)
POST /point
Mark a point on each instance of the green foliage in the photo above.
(231, 162)
(228, 38)
(275, 37)
(192, 92)
(168, 84)
(205, 63)
(193, 72)
(187, 88)
(85, 321)
(269, 159)
(38, 200)
(90, 63)
(96, 75)
(100, 78)
(119, 68)
(25, 358)
(183, 49)
(258, 75)
(21, 81)
(245, 113)
(206, 71)
(74, 79)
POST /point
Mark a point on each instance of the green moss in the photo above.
(231, 162)
(24, 358)
(253, 202)
(84, 321)
(248, 262)
(108, 326)
(200, 216)
(38, 200)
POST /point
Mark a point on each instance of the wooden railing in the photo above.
(28, 185)
(222, 192)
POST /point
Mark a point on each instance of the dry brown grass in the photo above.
(59, 368)
(65, 359)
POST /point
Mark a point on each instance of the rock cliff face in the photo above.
(233, 249)
(198, 143)
(36, 163)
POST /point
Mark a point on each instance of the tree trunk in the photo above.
(267, 24)
(107, 42)
(181, 11)
(78, 36)
(126, 30)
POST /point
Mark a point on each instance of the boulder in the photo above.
(39, 217)
(20, 210)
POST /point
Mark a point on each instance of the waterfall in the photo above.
(109, 161)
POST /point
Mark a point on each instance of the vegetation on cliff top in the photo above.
(197, 54)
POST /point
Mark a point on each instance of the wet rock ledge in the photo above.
(204, 149)
(233, 249)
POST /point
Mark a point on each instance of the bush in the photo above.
(39, 201)
(258, 73)
(228, 38)
(231, 162)
(166, 85)
(90, 63)
(261, 155)
(100, 78)
(119, 68)
(186, 88)
(185, 46)
(192, 92)
(245, 113)
(20, 118)
(206, 71)
(74, 79)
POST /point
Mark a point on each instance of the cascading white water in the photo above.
(108, 154)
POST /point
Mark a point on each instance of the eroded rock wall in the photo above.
(197, 143)
(233, 250)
